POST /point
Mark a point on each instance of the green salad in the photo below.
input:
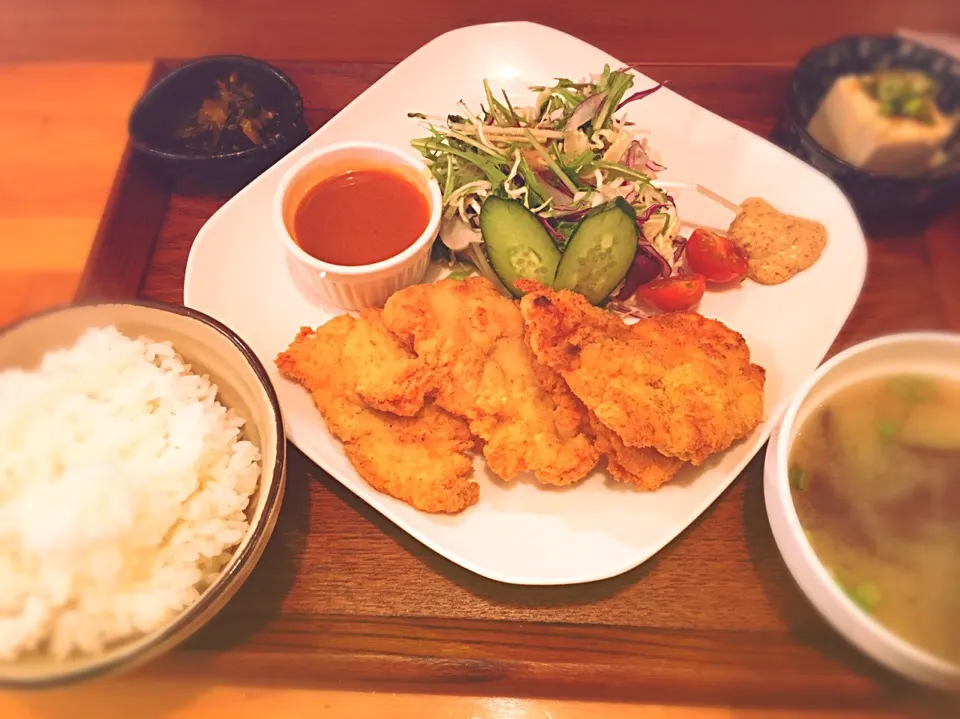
(558, 189)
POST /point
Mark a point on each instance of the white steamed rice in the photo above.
(123, 485)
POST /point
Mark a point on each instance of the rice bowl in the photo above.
(137, 487)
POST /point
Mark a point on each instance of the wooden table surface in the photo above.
(54, 180)
(386, 31)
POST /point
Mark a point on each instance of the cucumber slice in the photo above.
(517, 244)
(600, 251)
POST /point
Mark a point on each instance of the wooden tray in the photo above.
(344, 598)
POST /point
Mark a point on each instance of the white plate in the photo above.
(521, 532)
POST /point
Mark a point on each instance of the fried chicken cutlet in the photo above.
(679, 383)
(421, 459)
(386, 375)
(472, 340)
(644, 468)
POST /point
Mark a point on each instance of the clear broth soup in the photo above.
(875, 478)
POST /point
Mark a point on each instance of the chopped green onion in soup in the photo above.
(884, 512)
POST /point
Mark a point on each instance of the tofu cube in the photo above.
(849, 124)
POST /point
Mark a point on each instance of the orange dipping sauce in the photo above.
(360, 217)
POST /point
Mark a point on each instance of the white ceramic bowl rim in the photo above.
(405, 158)
(891, 643)
(113, 659)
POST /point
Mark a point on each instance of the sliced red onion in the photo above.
(558, 192)
(632, 157)
(679, 245)
(665, 269)
(648, 213)
(654, 166)
(554, 193)
(647, 266)
(457, 234)
(575, 214)
(639, 95)
(627, 310)
(585, 111)
(553, 233)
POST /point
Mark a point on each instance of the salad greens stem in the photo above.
(479, 145)
(552, 164)
(449, 184)
(537, 191)
(567, 170)
(572, 99)
(580, 161)
(617, 170)
(490, 169)
(511, 151)
(499, 112)
(512, 132)
(620, 83)
(513, 115)
(562, 82)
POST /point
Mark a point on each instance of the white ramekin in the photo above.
(360, 286)
(936, 353)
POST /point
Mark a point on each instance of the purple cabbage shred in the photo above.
(640, 95)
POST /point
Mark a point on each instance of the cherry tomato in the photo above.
(674, 294)
(715, 257)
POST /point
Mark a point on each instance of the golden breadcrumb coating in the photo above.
(423, 460)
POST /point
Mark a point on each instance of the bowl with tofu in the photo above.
(880, 116)
(862, 490)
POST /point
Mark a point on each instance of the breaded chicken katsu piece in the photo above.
(643, 467)
(387, 375)
(472, 339)
(423, 459)
(679, 383)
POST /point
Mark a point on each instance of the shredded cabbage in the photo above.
(529, 153)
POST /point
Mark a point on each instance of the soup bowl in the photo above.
(926, 353)
(355, 287)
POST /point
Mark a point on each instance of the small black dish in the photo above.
(886, 206)
(174, 99)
